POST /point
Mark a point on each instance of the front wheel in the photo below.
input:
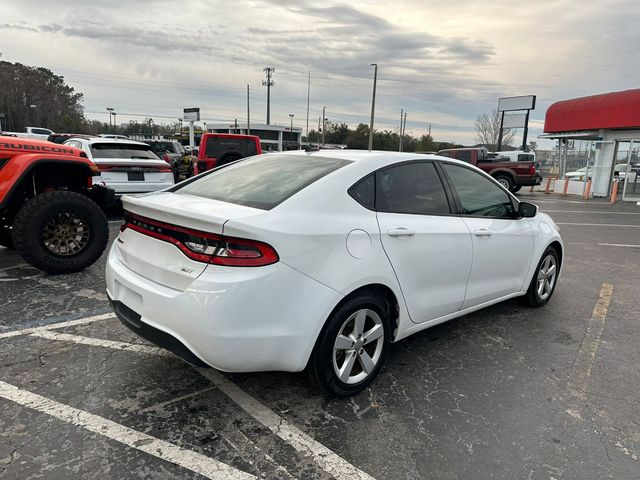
(351, 348)
(60, 232)
(544, 279)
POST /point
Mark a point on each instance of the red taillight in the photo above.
(166, 158)
(532, 171)
(203, 246)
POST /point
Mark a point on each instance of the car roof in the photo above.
(380, 156)
(94, 140)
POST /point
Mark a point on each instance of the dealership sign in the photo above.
(191, 114)
(524, 102)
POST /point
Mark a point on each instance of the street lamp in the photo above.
(373, 104)
(110, 110)
(324, 109)
(291, 129)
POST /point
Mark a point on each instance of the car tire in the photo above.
(176, 173)
(6, 238)
(516, 188)
(354, 341)
(60, 232)
(543, 283)
(505, 181)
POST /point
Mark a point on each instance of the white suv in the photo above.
(126, 166)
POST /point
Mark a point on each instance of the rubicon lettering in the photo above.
(37, 148)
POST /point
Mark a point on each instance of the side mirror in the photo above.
(527, 210)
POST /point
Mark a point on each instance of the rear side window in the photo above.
(262, 182)
(464, 155)
(218, 146)
(363, 192)
(411, 188)
(122, 150)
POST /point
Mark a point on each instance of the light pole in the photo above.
(291, 129)
(324, 110)
(115, 125)
(373, 104)
(110, 110)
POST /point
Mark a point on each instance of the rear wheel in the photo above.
(60, 232)
(351, 348)
(505, 181)
(516, 188)
(544, 279)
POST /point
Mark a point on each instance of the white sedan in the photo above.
(319, 260)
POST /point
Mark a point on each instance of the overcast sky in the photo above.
(445, 62)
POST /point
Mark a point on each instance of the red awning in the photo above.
(609, 110)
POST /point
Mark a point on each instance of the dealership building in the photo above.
(273, 138)
(599, 133)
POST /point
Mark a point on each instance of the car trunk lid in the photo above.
(159, 226)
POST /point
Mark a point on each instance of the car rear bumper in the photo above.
(529, 181)
(233, 319)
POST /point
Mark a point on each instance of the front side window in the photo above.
(411, 188)
(479, 196)
(464, 155)
(262, 182)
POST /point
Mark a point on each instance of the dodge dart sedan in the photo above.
(319, 260)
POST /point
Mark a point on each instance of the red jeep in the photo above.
(219, 148)
(49, 209)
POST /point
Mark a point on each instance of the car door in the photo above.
(428, 246)
(502, 243)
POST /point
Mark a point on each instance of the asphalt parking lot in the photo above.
(504, 393)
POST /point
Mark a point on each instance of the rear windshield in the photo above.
(122, 150)
(162, 147)
(264, 181)
(218, 146)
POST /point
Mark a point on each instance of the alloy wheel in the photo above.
(358, 346)
(65, 234)
(547, 277)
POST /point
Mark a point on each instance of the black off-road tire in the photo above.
(6, 238)
(506, 181)
(516, 188)
(532, 298)
(320, 370)
(29, 225)
(176, 173)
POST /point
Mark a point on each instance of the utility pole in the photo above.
(319, 130)
(429, 129)
(373, 104)
(308, 96)
(248, 121)
(324, 109)
(268, 83)
(404, 126)
(400, 143)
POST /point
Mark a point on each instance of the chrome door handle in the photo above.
(483, 232)
(400, 232)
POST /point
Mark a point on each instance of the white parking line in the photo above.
(618, 245)
(326, 459)
(581, 372)
(51, 326)
(598, 224)
(591, 211)
(182, 457)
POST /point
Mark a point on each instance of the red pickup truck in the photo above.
(511, 175)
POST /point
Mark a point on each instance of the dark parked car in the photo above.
(63, 137)
(175, 155)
